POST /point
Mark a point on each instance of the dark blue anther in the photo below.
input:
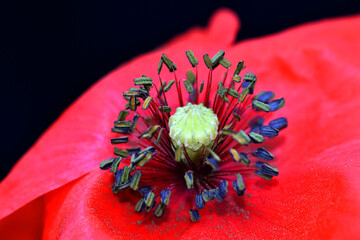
(133, 150)
(147, 209)
(262, 175)
(266, 169)
(145, 189)
(213, 163)
(245, 84)
(151, 149)
(194, 215)
(223, 189)
(159, 210)
(104, 165)
(239, 185)
(244, 159)
(256, 123)
(124, 186)
(276, 104)
(199, 202)
(267, 131)
(265, 96)
(262, 153)
(118, 176)
(217, 194)
(207, 195)
(279, 123)
(259, 164)
(165, 196)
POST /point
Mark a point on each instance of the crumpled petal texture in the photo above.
(315, 67)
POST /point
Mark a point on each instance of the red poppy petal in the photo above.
(318, 199)
(79, 139)
(25, 223)
(314, 200)
(316, 68)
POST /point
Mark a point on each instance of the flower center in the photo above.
(193, 127)
(201, 147)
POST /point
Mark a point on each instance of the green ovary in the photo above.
(191, 125)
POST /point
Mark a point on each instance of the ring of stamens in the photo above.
(165, 158)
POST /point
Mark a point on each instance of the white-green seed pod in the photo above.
(192, 125)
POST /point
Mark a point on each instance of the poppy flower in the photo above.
(57, 191)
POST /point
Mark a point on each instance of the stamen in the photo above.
(262, 153)
(201, 87)
(161, 62)
(122, 124)
(207, 196)
(243, 94)
(214, 155)
(122, 115)
(207, 61)
(159, 210)
(149, 199)
(264, 96)
(165, 109)
(239, 185)
(236, 78)
(159, 136)
(188, 86)
(199, 201)
(194, 215)
(189, 178)
(106, 164)
(135, 180)
(119, 140)
(267, 131)
(225, 63)
(145, 189)
(115, 164)
(244, 159)
(168, 86)
(191, 77)
(223, 189)
(212, 163)
(169, 64)
(261, 106)
(217, 58)
(235, 155)
(198, 147)
(149, 133)
(257, 138)
(165, 196)
(242, 138)
(143, 81)
(133, 103)
(147, 103)
(279, 123)
(125, 174)
(120, 152)
(239, 67)
(232, 92)
(276, 104)
(266, 169)
(139, 207)
(192, 59)
(178, 154)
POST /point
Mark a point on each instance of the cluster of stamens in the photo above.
(198, 149)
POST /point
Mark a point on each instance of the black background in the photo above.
(52, 51)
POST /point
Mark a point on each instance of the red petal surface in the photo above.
(317, 200)
(315, 67)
